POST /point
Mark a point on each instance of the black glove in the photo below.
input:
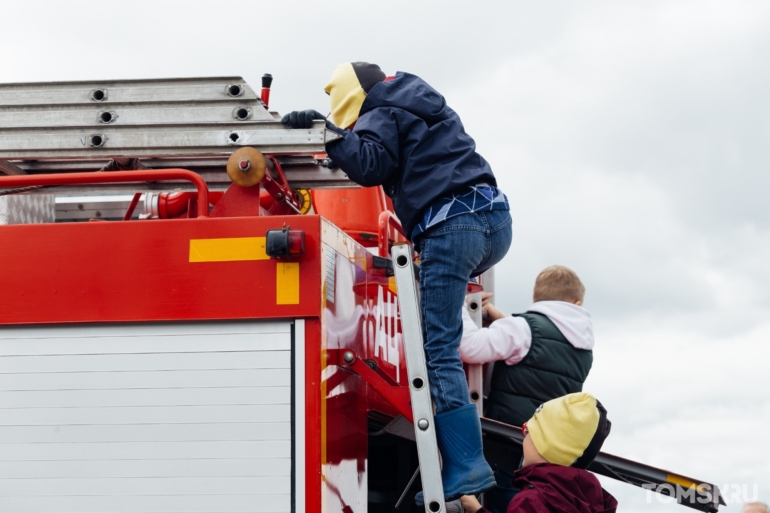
(302, 118)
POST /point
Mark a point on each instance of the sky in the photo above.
(631, 140)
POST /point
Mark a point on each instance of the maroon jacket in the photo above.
(547, 488)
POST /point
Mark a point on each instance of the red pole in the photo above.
(132, 206)
(115, 177)
(267, 81)
(386, 221)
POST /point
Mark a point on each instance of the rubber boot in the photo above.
(464, 470)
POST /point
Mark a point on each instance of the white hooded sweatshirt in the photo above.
(510, 338)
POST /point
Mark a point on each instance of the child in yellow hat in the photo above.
(560, 440)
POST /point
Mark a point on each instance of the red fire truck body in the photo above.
(63, 281)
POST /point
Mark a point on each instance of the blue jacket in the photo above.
(409, 141)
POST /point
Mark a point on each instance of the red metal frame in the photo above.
(115, 177)
(313, 441)
(132, 206)
(395, 394)
(138, 271)
(387, 221)
(278, 187)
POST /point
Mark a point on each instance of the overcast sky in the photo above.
(630, 137)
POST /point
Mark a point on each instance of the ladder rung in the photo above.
(108, 92)
(160, 140)
(106, 116)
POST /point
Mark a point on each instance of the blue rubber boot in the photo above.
(464, 470)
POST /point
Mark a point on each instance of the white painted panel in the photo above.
(231, 485)
(145, 450)
(246, 503)
(148, 344)
(148, 418)
(145, 379)
(144, 397)
(215, 431)
(138, 468)
(145, 362)
(144, 415)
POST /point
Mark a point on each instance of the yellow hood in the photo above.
(345, 95)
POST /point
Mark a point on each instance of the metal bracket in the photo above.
(277, 186)
(379, 262)
(6, 168)
(395, 394)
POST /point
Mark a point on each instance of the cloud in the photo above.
(610, 141)
(688, 403)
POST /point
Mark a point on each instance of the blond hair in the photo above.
(558, 283)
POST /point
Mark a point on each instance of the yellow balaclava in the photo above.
(348, 88)
(563, 428)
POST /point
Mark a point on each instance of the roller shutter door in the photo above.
(193, 417)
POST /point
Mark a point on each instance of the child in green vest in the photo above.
(541, 354)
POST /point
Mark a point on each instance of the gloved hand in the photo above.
(302, 118)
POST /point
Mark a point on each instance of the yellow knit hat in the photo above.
(562, 429)
(347, 90)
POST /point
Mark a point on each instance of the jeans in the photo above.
(451, 253)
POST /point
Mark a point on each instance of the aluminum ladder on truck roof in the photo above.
(192, 123)
(419, 389)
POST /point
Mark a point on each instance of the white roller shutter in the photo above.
(192, 417)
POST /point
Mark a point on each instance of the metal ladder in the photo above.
(476, 371)
(144, 118)
(191, 123)
(422, 406)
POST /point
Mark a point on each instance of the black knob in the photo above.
(267, 80)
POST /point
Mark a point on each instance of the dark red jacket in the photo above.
(547, 488)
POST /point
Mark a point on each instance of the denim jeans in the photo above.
(451, 253)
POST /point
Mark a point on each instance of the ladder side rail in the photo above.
(419, 387)
(476, 370)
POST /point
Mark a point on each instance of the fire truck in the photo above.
(199, 313)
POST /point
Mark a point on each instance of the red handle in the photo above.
(386, 221)
(115, 176)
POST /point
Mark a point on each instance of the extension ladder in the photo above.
(190, 123)
(419, 389)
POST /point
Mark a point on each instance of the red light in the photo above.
(285, 243)
(296, 242)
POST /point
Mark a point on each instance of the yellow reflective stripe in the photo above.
(392, 285)
(227, 250)
(683, 482)
(287, 283)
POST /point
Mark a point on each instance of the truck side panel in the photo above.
(159, 270)
(149, 418)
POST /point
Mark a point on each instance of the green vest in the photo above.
(552, 368)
